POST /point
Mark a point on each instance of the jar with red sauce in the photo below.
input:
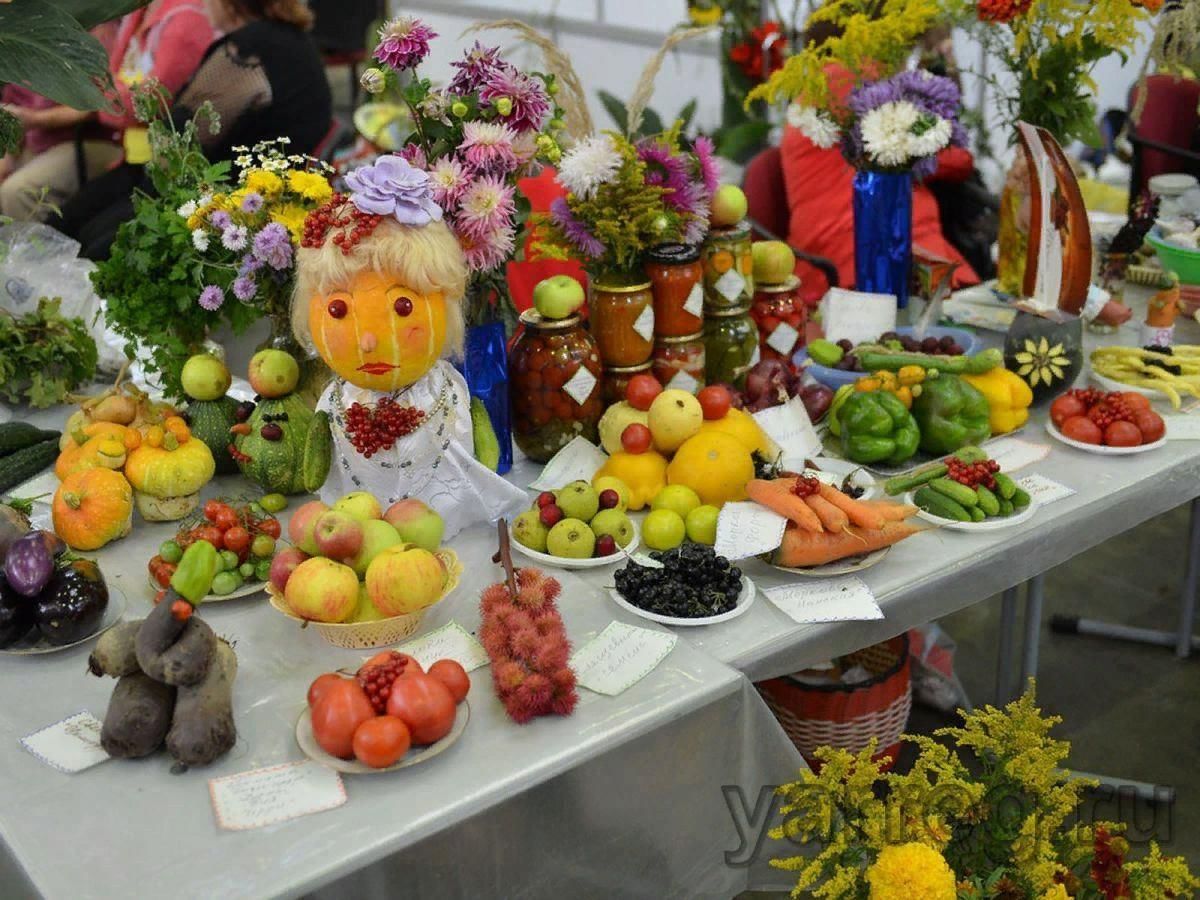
(621, 317)
(676, 278)
(554, 385)
(616, 381)
(679, 362)
(781, 316)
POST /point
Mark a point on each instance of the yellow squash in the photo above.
(166, 479)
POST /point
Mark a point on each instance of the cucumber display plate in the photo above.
(992, 523)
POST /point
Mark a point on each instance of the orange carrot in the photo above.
(891, 511)
(862, 516)
(777, 496)
(804, 548)
(831, 517)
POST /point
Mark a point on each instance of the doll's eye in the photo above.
(403, 306)
(337, 308)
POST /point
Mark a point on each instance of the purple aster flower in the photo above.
(575, 231)
(486, 206)
(220, 219)
(244, 288)
(487, 148)
(392, 186)
(930, 93)
(670, 171)
(249, 263)
(234, 237)
(449, 181)
(474, 68)
(404, 42)
(706, 158)
(252, 202)
(527, 103)
(273, 246)
(211, 298)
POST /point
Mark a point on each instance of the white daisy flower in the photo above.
(186, 210)
(887, 131)
(814, 125)
(200, 240)
(934, 139)
(589, 164)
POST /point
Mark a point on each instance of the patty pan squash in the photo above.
(167, 479)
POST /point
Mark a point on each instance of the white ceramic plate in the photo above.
(1100, 448)
(834, 471)
(244, 591)
(593, 562)
(33, 644)
(744, 601)
(994, 523)
(1111, 384)
(308, 744)
(847, 566)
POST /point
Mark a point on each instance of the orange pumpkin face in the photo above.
(377, 333)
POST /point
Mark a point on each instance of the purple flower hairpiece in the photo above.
(394, 187)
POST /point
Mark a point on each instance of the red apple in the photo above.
(284, 564)
(416, 523)
(302, 524)
(322, 590)
(338, 535)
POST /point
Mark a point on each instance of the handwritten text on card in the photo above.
(619, 657)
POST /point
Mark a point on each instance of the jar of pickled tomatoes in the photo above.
(621, 317)
(781, 317)
(728, 267)
(676, 275)
(730, 346)
(616, 381)
(554, 385)
(679, 362)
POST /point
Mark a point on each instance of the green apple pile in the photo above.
(353, 562)
(577, 521)
(677, 514)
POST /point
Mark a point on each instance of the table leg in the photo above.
(1034, 601)
(1187, 603)
(1008, 636)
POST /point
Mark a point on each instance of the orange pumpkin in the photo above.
(101, 444)
(92, 507)
(377, 333)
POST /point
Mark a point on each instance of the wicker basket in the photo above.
(382, 632)
(848, 716)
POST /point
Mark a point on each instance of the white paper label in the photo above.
(1183, 428)
(1157, 336)
(644, 324)
(266, 796)
(682, 381)
(581, 385)
(745, 529)
(619, 657)
(451, 641)
(695, 300)
(783, 338)
(70, 746)
(1013, 453)
(644, 560)
(789, 427)
(730, 285)
(1044, 490)
(577, 461)
(857, 317)
(843, 599)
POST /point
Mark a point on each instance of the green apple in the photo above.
(571, 539)
(728, 205)
(378, 535)
(677, 497)
(613, 522)
(529, 531)
(774, 262)
(558, 296)
(417, 523)
(663, 530)
(578, 500)
(359, 505)
(701, 524)
(273, 373)
(205, 377)
(365, 610)
(613, 483)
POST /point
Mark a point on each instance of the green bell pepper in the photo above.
(875, 427)
(951, 413)
(194, 575)
(839, 397)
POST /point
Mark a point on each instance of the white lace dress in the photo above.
(434, 464)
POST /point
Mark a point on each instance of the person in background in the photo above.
(264, 79)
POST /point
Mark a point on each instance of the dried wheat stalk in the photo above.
(644, 89)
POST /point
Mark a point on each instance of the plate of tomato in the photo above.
(1113, 423)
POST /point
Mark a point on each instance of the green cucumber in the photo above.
(27, 462)
(1005, 486)
(970, 454)
(977, 514)
(1020, 499)
(988, 501)
(18, 435)
(959, 493)
(910, 481)
(1006, 507)
(824, 353)
(875, 359)
(940, 505)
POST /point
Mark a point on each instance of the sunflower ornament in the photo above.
(1041, 362)
(1046, 355)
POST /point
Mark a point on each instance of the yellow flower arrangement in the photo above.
(292, 216)
(260, 181)
(309, 185)
(906, 871)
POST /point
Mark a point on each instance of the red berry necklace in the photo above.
(374, 428)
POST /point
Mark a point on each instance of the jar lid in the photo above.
(730, 232)
(698, 336)
(598, 285)
(673, 254)
(535, 319)
(628, 370)
(726, 313)
(793, 282)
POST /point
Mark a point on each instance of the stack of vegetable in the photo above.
(175, 676)
(24, 452)
(966, 486)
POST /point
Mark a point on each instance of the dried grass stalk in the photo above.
(644, 89)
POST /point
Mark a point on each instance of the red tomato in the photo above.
(636, 438)
(412, 667)
(320, 685)
(715, 401)
(1135, 401)
(381, 741)
(210, 533)
(237, 539)
(226, 518)
(268, 527)
(1066, 407)
(1150, 424)
(641, 391)
(426, 706)
(453, 676)
(336, 716)
(212, 507)
(1122, 434)
(1083, 429)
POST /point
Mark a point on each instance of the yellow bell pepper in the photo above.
(645, 474)
(1008, 397)
(900, 383)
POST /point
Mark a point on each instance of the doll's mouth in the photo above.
(376, 368)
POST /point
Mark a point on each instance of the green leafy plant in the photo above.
(652, 122)
(44, 355)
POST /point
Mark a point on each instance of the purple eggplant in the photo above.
(16, 614)
(30, 562)
(73, 603)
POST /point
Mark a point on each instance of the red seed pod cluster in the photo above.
(348, 223)
(1112, 408)
(806, 486)
(372, 429)
(377, 680)
(973, 474)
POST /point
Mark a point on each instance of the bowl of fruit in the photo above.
(1109, 423)
(576, 527)
(835, 364)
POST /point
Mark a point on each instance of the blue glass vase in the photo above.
(485, 366)
(883, 233)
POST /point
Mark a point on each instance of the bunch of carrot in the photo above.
(829, 525)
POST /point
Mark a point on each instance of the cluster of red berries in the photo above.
(806, 486)
(1112, 408)
(373, 429)
(1002, 11)
(1087, 396)
(349, 224)
(376, 681)
(973, 474)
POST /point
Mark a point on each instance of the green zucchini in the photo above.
(16, 436)
(1005, 486)
(940, 505)
(1006, 507)
(910, 481)
(977, 514)
(988, 501)
(977, 364)
(1020, 499)
(27, 462)
(959, 493)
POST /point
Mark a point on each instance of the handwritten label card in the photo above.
(856, 316)
(845, 599)
(1044, 490)
(1183, 428)
(745, 529)
(70, 746)
(1013, 453)
(619, 657)
(789, 427)
(578, 460)
(451, 641)
(264, 797)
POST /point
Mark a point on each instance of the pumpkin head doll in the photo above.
(380, 280)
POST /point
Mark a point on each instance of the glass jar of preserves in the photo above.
(679, 362)
(781, 317)
(675, 274)
(554, 385)
(728, 267)
(730, 346)
(616, 380)
(621, 317)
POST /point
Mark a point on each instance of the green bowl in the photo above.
(1180, 261)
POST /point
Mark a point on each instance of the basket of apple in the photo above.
(577, 526)
(363, 577)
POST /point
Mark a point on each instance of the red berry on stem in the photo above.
(545, 498)
(550, 515)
